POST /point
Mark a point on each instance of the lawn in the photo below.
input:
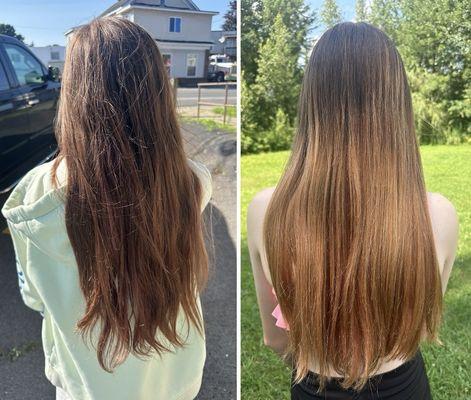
(211, 124)
(447, 171)
(230, 111)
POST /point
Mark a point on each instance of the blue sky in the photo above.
(45, 21)
(347, 8)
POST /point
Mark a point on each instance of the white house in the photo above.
(225, 42)
(181, 30)
(51, 56)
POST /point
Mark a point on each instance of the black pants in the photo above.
(407, 382)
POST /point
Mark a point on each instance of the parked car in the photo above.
(221, 69)
(29, 93)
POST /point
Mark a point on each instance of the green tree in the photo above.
(273, 41)
(433, 37)
(250, 110)
(270, 104)
(9, 30)
(230, 17)
(386, 15)
(296, 16)
(250, 39)
(330, 13)
(277, 81)
(360, 11)
(257, 24)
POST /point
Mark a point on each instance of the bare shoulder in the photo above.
(256, 215)
(444, 221)
(262, 198)
(259, 204)
(441, 209)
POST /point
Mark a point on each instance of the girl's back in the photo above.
(356, 251)
(109, 236)
(50, 284)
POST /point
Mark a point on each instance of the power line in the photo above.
(39, 27)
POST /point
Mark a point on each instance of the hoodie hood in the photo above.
(35, 195)
(36, 209)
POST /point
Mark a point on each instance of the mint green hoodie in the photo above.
(48, 277)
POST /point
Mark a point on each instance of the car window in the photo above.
(27, 69)
(4, 85)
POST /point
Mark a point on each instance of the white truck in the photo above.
(221, 68)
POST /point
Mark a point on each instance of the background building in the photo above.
(181, 30)
(51, 56)
(225, 42)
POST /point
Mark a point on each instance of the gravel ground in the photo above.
(21, 357)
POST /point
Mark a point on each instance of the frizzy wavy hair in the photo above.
(133, 205)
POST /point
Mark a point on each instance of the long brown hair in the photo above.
(347, 232)
(133, 212)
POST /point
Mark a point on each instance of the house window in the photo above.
(55, 55)
(191, 65)
(175, 24)
(167, 62)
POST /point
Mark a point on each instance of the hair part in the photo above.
(133, 205)
(347, 232)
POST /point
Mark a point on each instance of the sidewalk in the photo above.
(21, 357)
(217, 150)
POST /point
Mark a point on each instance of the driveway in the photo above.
(21, 358)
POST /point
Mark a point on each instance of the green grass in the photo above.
(447, 171)
(211, 124)
(231, 111)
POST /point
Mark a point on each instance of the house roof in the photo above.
(186, 5)
(182, 41)
(182, 5)
(114, 7)
(224, 33)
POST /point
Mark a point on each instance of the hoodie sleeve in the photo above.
(28, 292)
(204, 176)
(206, 183)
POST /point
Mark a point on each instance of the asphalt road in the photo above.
(187, 97)
(21, 357)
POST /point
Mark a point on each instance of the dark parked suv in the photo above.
(28, 99)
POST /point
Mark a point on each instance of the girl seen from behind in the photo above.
(349, 252)
(109, 235)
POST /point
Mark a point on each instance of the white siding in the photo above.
(228, 47)
(194, 27)
(129, 16)
(44, 54)
(179, 58)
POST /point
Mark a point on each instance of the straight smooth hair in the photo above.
(347, 232)
(133, 205)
